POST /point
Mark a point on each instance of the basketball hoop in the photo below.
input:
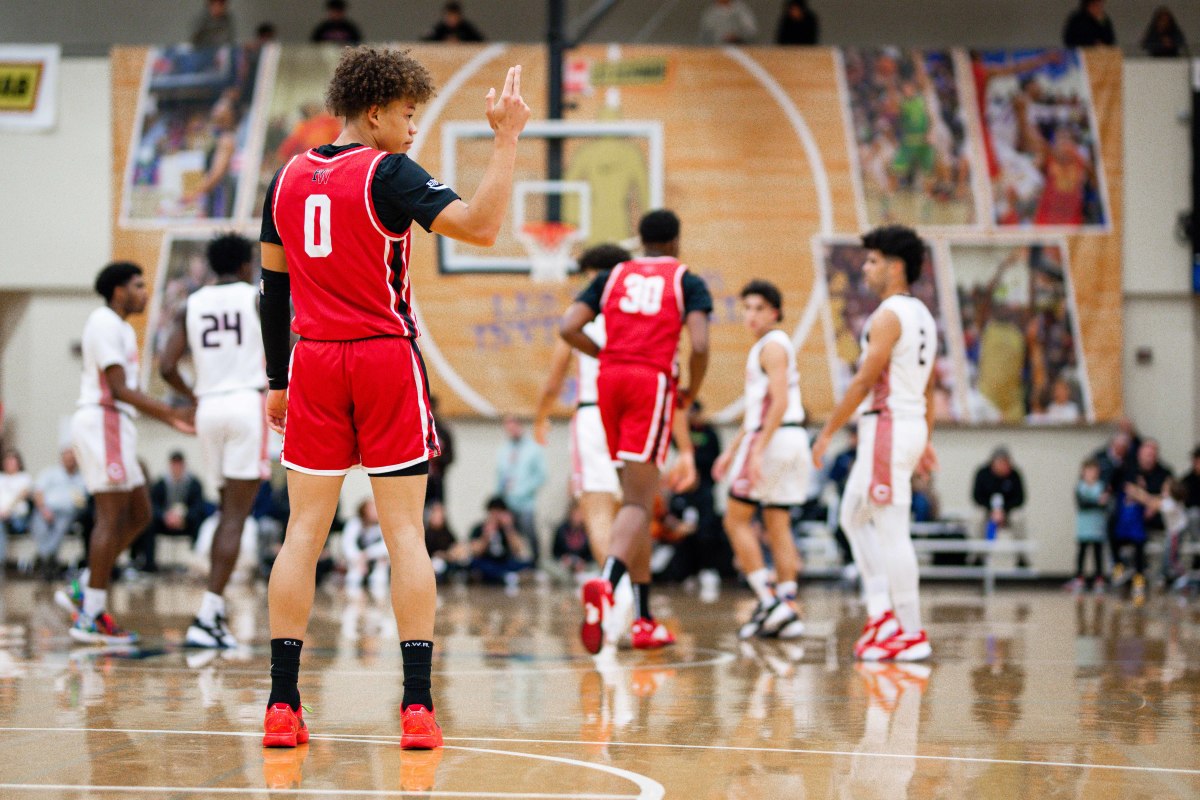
(549, 246)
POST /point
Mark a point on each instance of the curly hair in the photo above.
(371, 76)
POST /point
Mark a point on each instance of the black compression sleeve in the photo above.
(275, 313)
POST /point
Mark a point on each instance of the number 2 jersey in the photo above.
(343, 215)
(901, 386)
(645, 302)
(223, 336)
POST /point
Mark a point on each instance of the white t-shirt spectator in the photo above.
(728, 23)
(15, 488)
(61, 490)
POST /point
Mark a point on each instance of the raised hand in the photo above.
(508, 114)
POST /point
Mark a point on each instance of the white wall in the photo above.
(56, 199)
(46, 268)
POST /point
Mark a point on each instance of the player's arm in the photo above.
(721, 465)
(179, 419)
(570, 329)
(683, 476)
(478, 222)
(774, 362)
(697, 328)
(560, 360)
(168, 360)
(885, 332)
(274, 312)
(929, 461)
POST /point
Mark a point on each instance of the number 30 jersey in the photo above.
(645, 302)
(223, 335)
(344, 218)
(901, 385)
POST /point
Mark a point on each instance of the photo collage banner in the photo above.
(776, 160)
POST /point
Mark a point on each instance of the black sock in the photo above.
(418, 662)
(285, 672)
(641, 593)
(614, 570)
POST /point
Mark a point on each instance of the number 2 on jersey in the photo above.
(921, 346)
(317, 242)
(643, 294)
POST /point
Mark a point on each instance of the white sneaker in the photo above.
(617, 622)
(781, 622)
(215, 636)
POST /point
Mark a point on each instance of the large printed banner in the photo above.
(776, 160)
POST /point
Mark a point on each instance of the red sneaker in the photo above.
(284, 727)
(876, 629)
(419, 729)
(651, 635)
(597, 600)
(901, 647)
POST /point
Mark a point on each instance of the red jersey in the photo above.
(645, 302)
(343, 216)
(1061, 202)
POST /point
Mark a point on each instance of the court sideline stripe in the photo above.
(660, 745)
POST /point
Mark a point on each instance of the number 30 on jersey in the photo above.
(643, 294)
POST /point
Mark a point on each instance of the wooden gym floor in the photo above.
(1031, 694)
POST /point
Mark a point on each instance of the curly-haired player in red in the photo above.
(336, 238)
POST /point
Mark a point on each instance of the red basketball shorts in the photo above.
(364, 402)
(637, 405)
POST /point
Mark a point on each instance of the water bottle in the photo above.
(997, 505)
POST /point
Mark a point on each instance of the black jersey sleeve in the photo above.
(403, 193)
(696, 296)
(269, 232)
(592, 295)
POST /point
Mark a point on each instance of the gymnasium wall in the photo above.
(39, 382)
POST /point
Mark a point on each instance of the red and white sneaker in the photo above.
(876, 629)
(597, 600)
(283, 727)
(648, 634)
(901, 647)
(419, 729)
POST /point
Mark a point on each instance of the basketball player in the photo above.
(337, 229)
(769, 462)
(217, 325)
(594, 479)
(105, 441)
(646, 302)
(894, 385)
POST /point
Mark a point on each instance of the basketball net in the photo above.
(549, 248)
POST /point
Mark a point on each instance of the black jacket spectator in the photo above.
(336, 28)
(1089, 26)
(435, 489)
(1163, 38)
(999, 476)
(453, 27)
(1151, 475)
(798, 25)
(1191, 482)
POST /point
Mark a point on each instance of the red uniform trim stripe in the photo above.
(881, 460)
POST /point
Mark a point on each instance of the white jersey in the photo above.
(589, 368)
(107, 340)
(758, 384)
(223, 335)
(901, 386)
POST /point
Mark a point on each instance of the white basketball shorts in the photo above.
(592, 468)
(786, 468)
(888, 452)
(232, 430)
(105, 442)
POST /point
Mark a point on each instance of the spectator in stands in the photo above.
(336, 28)
(925, 503)
(708, 552)
(264, 34)
(59, 496)
(571, 549)
(499, 553)
(520, 473)
(1150, 475)
(435, 487)
(16, 489)
(728, 22)
(1091, 521)
(365, 552)
(1000, 492)
(1191, 482)
(1088, 26)
(798, 25)
(214, 26)
(445, 551)
(1163, 37)
(453, 27)
(177, 509)
(1061, 408)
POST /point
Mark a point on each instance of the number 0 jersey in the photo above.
(223, 336)
(343, 216)
(901, 385)
(645, 302)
